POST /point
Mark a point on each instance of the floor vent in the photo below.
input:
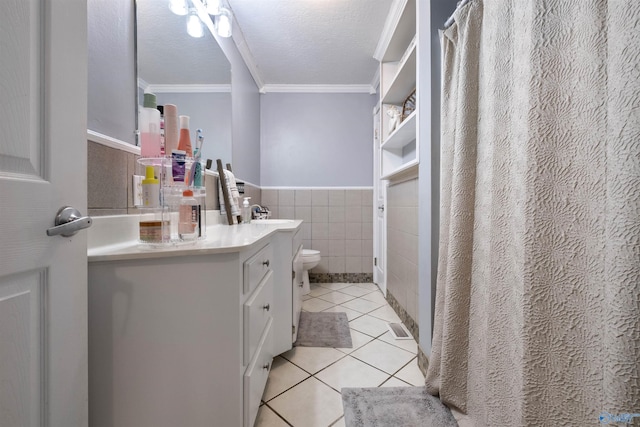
(399, 331)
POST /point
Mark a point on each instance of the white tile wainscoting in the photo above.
(337, 221)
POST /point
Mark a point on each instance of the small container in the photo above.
(185, 139)
(246, 211)
(149, 127)
(189, 217)
(150, 189)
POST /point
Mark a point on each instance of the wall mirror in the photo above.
(192, 73)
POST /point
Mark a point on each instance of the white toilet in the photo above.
(310, 259)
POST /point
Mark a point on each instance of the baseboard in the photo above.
(340, 277)
(408, 321)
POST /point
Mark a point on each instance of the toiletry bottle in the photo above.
(171, 128)
(149, 127)
(150, 189)
(185, 139)
(188, 216)
(161, 109)
(246, 211)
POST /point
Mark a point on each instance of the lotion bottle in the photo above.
(246, 211)
(150, 189)
(150, 127)
(188, 216)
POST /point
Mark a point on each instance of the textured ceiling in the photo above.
(312, 41)
(294, 42)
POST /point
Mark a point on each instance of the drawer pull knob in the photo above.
(266, 307)
(265, 367)
(266, 263)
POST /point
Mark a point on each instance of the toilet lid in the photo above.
(309, 252)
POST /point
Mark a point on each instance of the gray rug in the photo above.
(323, 330)
(394, 407)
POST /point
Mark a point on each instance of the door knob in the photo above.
(68, 222)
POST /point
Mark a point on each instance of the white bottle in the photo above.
(189, 216)
(246, 211)
(149, 118)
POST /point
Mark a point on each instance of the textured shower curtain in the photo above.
(537, 318)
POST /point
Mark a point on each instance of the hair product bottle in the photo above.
(149, 127)
(185, 139)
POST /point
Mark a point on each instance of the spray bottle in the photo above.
(246, 211)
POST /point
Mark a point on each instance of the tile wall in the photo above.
(337, 222)
(402, 247)
(110, 182)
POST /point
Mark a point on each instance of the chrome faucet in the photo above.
(260, 212)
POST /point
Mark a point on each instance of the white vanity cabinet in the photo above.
(187, 338)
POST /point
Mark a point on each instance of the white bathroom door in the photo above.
(379, 214)
(43, 166)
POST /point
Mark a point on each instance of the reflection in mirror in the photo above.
(192, 73)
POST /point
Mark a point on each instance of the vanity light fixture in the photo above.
(179, 7)
(213, 6)
(224, 22)
(194, 24)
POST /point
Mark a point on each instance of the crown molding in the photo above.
(389, 26)
(375, 82)
(202, 88)
(286, 88)
(143, 84)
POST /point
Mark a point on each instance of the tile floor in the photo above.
(304, 385)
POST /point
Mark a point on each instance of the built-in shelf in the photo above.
(399, 155)
(404, 134)
(403, 81)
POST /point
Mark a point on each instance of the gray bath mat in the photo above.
(394, 407)
(324, 330)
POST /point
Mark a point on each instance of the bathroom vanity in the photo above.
(185, 335)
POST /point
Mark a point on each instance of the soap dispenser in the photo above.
(246, 211)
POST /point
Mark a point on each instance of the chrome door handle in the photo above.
(68, 222)
(381, 208)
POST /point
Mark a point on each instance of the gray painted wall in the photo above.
(431, 17)
(210, 112)
(111, 101)
(317, 140)
(112, 96)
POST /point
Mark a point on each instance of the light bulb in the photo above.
(223, 23)
(179, 7)
(213, 7)
(194, 25)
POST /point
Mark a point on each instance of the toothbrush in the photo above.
(196, 173)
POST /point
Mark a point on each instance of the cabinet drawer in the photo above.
(255, 377)
(256, 312)
(256, 267)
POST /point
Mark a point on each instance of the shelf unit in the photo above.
(161, 221)
(398, 77)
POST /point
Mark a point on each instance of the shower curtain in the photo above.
(537, 317)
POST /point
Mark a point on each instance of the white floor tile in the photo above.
(350, 372)
(385, 313)
(411, 374)
(383, 356)
(356, 291)
(268, 418)
(351, 314)
(313, 359)
(335, 286)
(375, 297)
(309, 404)
(369, 325)
(362, 305)
(306, 297)
(282, 377)
(336, 297)
(317, 290)
(394, 382)
(358, 339)
(316, 304)
(409, 345)
(370, 286)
